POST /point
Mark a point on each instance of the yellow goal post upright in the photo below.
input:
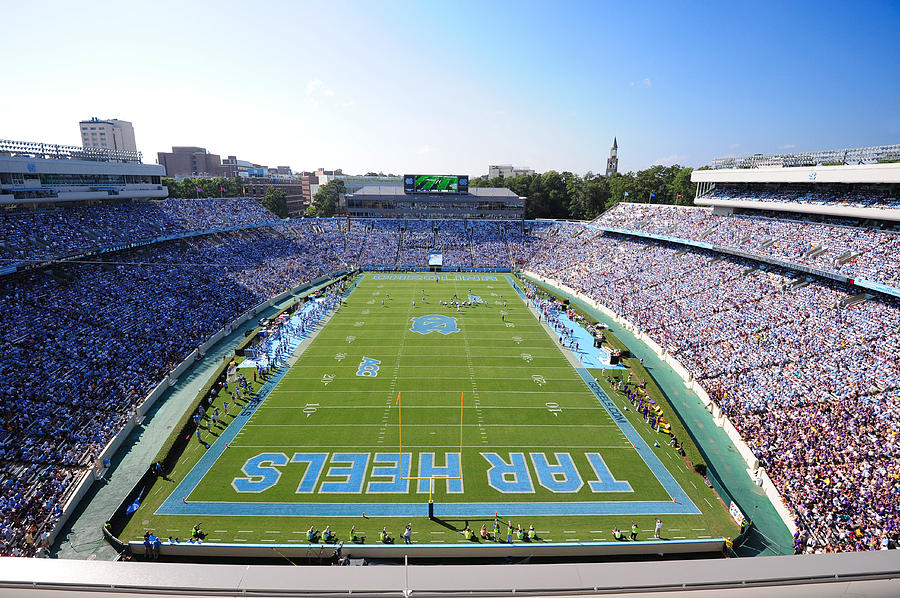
(431, 478)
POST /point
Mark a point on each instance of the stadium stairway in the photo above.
(725, 465)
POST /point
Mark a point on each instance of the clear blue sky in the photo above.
(454, 86)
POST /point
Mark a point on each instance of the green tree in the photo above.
(173, 186)
(682, 185)
(325, 201)
(594, 195)
(622, 187)
(275, 200)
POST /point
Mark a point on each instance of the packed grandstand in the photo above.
(101, 301)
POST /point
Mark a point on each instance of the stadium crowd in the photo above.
(808, 375)
(87, 341)
(858, 197)
(49, 232)
(853, 251)
(810, 383)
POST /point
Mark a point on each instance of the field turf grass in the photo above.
(524, 403)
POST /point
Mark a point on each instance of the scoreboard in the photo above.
(435, 183)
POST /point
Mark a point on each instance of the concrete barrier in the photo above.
(221, 550)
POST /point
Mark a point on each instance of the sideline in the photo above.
(726, 465)
(82, 536)
(172, 505)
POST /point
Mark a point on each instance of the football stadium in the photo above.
(669, 367)
(444, 390)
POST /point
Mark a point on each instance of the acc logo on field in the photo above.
(434, 323)
(368, 367)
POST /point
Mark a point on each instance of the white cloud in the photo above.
(788, 146)
(314, 86)
(645, 82)
(426, 149)
(669, 160)
(320, 94)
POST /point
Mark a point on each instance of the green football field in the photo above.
(493, 417)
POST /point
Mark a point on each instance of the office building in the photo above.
(112, 134)
(190, 161)
(507, 171)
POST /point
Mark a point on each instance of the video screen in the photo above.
(435, 183)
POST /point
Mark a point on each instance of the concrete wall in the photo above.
(820, 575)
(460, 550)
(718, 417)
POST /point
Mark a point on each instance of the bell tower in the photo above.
(612, 164)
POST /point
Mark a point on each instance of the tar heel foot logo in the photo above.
(434, 323)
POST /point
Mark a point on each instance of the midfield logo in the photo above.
(434, 323)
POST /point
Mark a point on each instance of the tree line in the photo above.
(552, 194)
(565, 195)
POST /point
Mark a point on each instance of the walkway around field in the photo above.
(82, 538)
(724, 461)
